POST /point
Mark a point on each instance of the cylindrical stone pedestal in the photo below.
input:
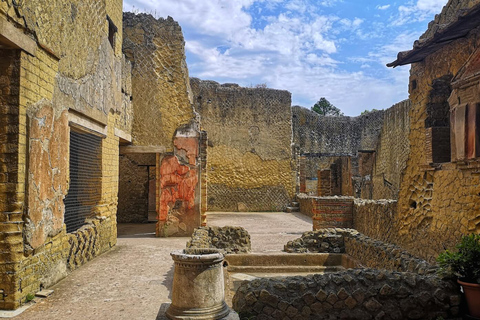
(198, 287)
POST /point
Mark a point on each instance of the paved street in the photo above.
(134, 279)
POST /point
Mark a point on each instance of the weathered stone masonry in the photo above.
(439, 201)
(164, 126)
(335, 144)
(250, 165)
(46, 95)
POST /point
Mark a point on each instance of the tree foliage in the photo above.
(325, 108)
(368, 111)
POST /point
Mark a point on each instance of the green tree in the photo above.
(325, 108)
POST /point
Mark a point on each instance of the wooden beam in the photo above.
(14, 37)
(142, 149)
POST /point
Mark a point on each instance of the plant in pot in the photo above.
(464, 264)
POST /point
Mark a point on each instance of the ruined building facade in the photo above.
(439, 196)
(94, 135)
(65, 107)
(161, 169)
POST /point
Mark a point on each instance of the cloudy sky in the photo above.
(313, 48)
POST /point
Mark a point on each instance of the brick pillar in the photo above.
(329, 212)
(324, 188)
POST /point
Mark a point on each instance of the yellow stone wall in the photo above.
(250, 166)
(160, 82)
(73, 57)
(437, 205)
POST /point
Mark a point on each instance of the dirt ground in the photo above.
(134, 279)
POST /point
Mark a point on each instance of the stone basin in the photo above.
(241, 267)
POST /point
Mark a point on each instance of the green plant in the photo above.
(464, 263)
(325, 108)
(30, 297)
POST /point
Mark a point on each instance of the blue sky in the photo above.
(326, 48)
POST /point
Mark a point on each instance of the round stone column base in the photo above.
(214, 313)
(162, 314)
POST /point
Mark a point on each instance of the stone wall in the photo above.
(325, 140)
(250, 164)
(65, 70)
(160, 81)
(401, 286)
(165, 123)
(352, 294)
(368, 252)
(391, 152)
(438, 203)
(230, 239)
(377, 219)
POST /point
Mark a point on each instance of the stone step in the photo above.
(292, 209)
(279, 270)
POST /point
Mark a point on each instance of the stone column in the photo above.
(198, 286)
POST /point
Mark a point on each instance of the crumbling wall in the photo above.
(69, 73)
(230, 239)
(178, 204)
(250, 164)
(160, 81)
(391, 152)
(324, 140)
(164, 119)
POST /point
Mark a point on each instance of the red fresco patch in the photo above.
(47, 175)
(177, 182)
(190, 145)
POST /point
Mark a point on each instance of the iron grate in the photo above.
(84, 192)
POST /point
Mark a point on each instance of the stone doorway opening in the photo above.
(136, 214)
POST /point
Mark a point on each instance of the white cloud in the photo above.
(419, 11)
(296, 45)
(219, 17)
(385, 7)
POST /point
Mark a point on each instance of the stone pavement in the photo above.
(134, 279)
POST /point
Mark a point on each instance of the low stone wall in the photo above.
(369, 252)
(376, 218)
(322, 241)
(229, 239)
(352, 294)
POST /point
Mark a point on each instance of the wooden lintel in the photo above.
(15, 38)
(142, 149)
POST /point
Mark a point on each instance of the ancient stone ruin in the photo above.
(103, 125)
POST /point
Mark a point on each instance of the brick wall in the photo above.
(324, 183)
(12, 193)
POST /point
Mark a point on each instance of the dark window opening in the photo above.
(437, 123)
(112, 30)
(413, 85)
(84, 191)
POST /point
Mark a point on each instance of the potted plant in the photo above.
(464, 264)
